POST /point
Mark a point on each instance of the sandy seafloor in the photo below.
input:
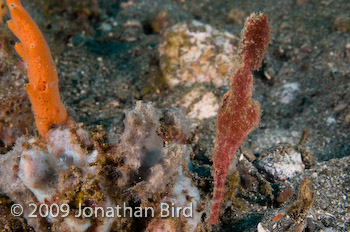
(105, 66)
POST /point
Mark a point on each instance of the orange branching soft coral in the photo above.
(43, 80)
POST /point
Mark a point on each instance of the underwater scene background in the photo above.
(145, 84)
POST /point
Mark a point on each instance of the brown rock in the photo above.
(347, 118)
(248, 154)
(235, 16)
(300, 3)
(286, 194)
(326, 172)
(342, 23)
(249, 182)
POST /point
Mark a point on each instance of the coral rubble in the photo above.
(70, 168)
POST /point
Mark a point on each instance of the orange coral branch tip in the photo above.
(19, 49)
(42, 74)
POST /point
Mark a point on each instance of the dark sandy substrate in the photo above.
(304, 85)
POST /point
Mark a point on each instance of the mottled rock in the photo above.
(287, 93)
(200, 104)
(261, 228)
(281, 163)
(194, 52)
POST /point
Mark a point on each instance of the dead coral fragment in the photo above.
(238, 113)
(306, 154)
(234, 187)
(155, 172)
(174, 127)
(150, 163)
(303, 203)
(58, 170)
(140, 139)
